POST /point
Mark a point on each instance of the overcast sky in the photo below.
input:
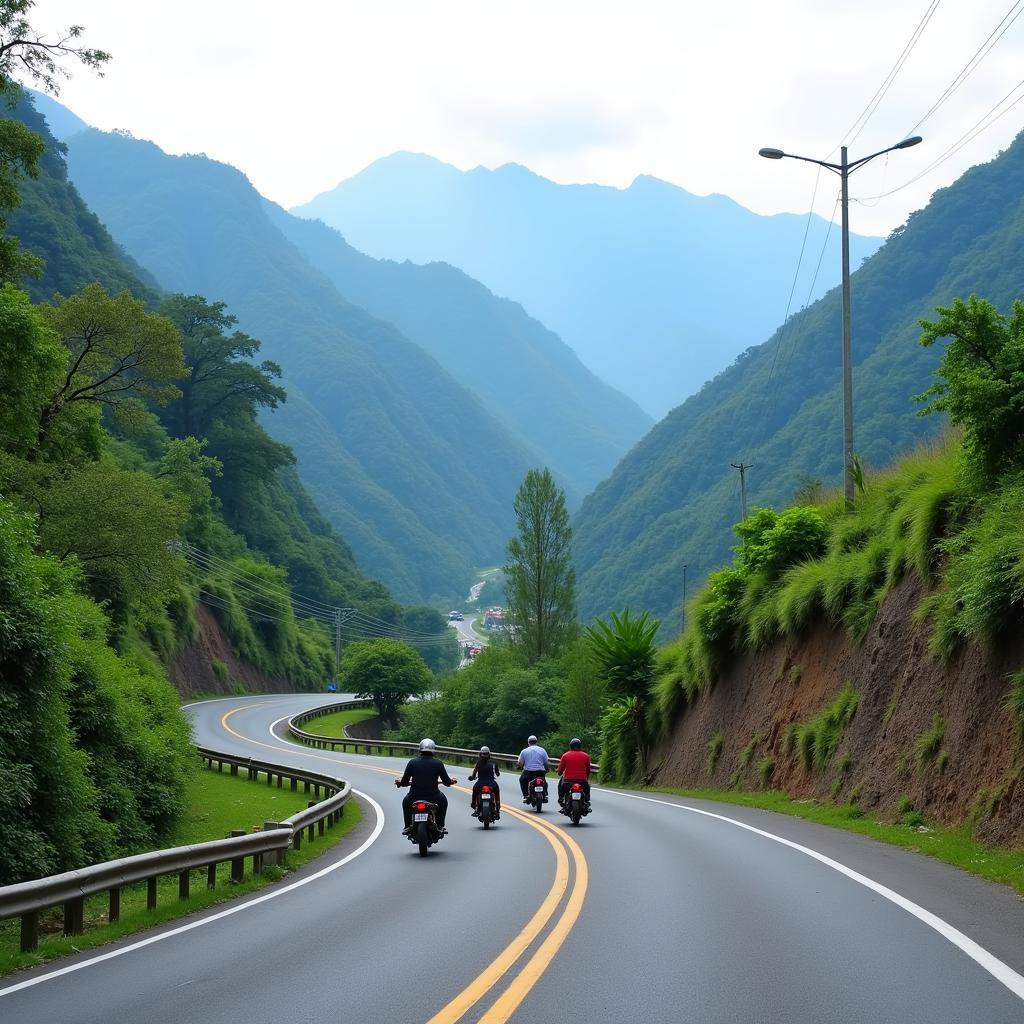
(303, 94)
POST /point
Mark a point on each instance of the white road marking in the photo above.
(1001, 972)
(71, 968)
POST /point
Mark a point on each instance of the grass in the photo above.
(927, 745)
(816, 740)
(218, 803)
(334, 723)
(714, 752)
(954, 846)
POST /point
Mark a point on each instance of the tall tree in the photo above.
(540, 581)
(221, 381)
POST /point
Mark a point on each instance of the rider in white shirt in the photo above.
(533, 759)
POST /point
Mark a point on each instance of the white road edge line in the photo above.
(981, 956)
(71, 968)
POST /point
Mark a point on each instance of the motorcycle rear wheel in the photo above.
(422, 838)
(575, 813)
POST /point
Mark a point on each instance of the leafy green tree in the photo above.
(32, 361)
(388, 672)
(221, 380)
(539, 577)
(981, 379)
(20, 152)
(624, 653)
(774, 541)
(25, 51)
(118, 351)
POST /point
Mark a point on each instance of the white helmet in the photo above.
(427, 746)
(531, 739)
(485, 751)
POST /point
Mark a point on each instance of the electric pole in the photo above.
(743, 486)
(684, 598)
(341, 616)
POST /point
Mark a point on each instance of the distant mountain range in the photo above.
(672, 500)
(655, 289)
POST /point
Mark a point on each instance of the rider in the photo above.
(422, 775)
(486, 773)
(574, 766)
(533, 759)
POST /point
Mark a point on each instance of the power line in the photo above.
(873, 104)
(972, 65)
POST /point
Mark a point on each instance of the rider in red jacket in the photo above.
(573, 766)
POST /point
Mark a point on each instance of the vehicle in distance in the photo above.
(455, 616)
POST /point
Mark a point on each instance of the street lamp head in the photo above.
(907, 143)
(774, 154)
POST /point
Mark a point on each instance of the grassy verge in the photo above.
(334, 723)
(217, 805)
(955, 846)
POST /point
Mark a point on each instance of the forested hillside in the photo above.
(644, 283)
(135, 483)
(528, 378)
(406, 463)
(673, 499)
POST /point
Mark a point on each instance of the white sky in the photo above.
(303, 94)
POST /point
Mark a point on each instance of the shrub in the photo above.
(765, 769)
(927, 745)
(817, 739)
(714, 752)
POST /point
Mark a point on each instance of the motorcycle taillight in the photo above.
(576, 787)
(485, 789)
(421, 807)
(539, 783)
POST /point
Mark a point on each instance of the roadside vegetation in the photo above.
(334, 723)
(215, 805)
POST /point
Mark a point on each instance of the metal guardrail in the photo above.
(386, 748)
(69, 889)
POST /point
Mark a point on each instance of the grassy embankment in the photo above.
(334, 723)
(218, 803)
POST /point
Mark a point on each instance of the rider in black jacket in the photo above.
(422, 775)
(486, 773)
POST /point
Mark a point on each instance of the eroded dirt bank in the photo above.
(210, 666)
(901, 691)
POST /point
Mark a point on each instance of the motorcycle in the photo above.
(577, 803)
(538, 793)
(423, 831)
(486, 809)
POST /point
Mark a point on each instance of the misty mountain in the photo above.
(673, 499)
(403, 460)
(529, 380)
(656, 289)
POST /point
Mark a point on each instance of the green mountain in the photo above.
(527, 377)
(641, 282)
(401, 458)
(673, 499)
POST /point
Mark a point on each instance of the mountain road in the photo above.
(655, 909)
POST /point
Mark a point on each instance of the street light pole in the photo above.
(844, 169)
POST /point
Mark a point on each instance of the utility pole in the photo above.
(844, 169)
(341, 616)
(743, 486)
(684, 598)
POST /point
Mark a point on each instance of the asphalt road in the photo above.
(656, 909)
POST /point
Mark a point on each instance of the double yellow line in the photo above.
(575, 883)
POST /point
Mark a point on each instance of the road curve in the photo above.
(686, 916)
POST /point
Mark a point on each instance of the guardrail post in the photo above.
(309, 831)
(234, 769)
(74, 916)
(237, 863)
(277, 856)
(280, 780)
(270, 778)
(151, 893)
(294, 782)
(29, 931)
(305, 786)
(114, 911)
(211, 876)
(183, 884)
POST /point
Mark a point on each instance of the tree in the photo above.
(981, 379)
(25, 51)
(118, 351)
(539, 577)
(221, 382)
(20, 152)
(388, 672)
(624, 653)
(32, 361)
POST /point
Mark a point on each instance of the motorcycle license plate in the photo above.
(485, 799)
(421, 817)
(577, 796)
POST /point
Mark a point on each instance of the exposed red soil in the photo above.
(793, 680)
(191, 670)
